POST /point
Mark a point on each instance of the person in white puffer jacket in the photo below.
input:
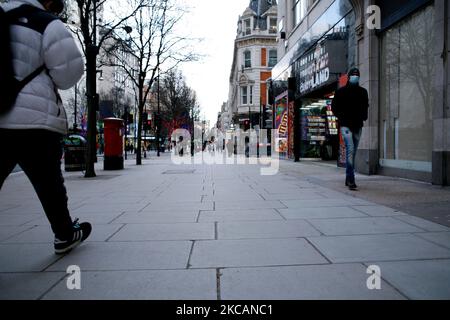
(31, 133)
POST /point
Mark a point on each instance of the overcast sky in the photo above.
(215, 21)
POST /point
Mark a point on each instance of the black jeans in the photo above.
(38, 153)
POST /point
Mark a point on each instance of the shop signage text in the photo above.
(314, 70)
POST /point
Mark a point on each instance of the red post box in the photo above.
(113, 130)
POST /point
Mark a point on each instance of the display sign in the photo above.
(321, 66)
(282, 124)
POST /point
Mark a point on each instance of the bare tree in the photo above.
(91, 41)
(155, 46)
(178, 101)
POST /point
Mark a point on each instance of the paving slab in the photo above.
(385, 247)
(289, 196)
(27, 286)
(127, 256)
(296, 204)
(169, 198)
(23, 210)
(320, 282)
(17, 220)
(321, 213)
(176, 206)
(174, 231)
(141, 285)
(423, 224)
(93, 218)
(7, 232)
(248, 205)
(26, 257)
(239, 215)
(158, 217)
(107, 208)
(353, 226)
(441, 238)
(379, 211)
(265, 229)
(233, 197)
(419, 280)
(253, 252)
(44, 234)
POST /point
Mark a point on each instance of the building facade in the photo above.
(402, 55)
(255, 53)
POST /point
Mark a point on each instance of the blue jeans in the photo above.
(351, 147)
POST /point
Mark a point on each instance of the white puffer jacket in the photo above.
(37, 105)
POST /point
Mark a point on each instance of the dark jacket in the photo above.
(350, 105)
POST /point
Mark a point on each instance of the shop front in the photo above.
(304, 83)
(318, 73)
(407, 72)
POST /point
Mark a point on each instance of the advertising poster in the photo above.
(282, 124)
(291, 130)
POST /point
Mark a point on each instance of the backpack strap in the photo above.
(30, 17)
(33, 18)
(29, 78)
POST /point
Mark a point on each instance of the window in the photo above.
(244, 95)
(273, 57)
(247, 59)
(406, 94)
(251, 94)
(299, 10)
(248, 28)
(272, 25)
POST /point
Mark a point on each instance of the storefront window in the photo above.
(319, 130)
(407, 71)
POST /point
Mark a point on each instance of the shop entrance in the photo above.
(319, 135)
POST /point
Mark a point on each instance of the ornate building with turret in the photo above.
(255, 53)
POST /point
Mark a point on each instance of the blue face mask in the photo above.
(354, 79)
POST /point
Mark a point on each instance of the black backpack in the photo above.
(29, 17)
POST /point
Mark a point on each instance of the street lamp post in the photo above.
(75, 125)
(158, 122)
(126, 128)
(203, 133)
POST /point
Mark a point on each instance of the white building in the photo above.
(255, 53)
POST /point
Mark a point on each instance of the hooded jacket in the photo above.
(38, 105)
(350, 105)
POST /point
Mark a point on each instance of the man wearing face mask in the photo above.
(45, 54)
(350, 105)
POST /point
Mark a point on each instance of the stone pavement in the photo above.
(166, 231)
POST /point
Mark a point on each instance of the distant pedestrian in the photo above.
(40, 41)
(350, 105)
(180, 146)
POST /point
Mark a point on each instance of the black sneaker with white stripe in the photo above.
(80, 233)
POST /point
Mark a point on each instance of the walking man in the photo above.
(40, 41)
(350, 105)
